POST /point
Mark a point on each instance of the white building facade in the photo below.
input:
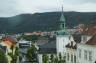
(85, 51)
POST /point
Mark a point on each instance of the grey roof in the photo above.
(47, 48)
(77, 38)
(3, 48)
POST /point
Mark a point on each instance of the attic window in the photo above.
(84, 38)
(86, 29)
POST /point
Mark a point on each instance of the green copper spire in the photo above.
(62, 24)
(62, 20)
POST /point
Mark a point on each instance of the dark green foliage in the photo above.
(60, 56)
(30, 37)
(52, 58)
(44, 21)
(45, 58)
(31, 53)
(14, 54)
(3, 58)
(56, 60)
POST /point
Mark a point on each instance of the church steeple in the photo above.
(62, 20)
(62, 25)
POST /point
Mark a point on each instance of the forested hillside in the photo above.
(44, 21)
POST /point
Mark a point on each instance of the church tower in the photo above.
(62, 25)
(62, 38)
(62, 20)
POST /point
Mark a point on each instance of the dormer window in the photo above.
(84, 38)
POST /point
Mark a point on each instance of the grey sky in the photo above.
(13, 7)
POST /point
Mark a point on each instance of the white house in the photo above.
(71, 48)
(82, 49)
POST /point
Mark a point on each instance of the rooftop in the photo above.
(48, 48)
(92, 41)
(9, 38)
(89, 29)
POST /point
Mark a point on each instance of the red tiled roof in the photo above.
(10, 39)
(92, 41)
(89, 30)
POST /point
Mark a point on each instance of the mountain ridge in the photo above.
(47, 21)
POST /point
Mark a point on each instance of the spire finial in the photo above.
(62, 8)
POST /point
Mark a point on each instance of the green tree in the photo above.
(32, 38)
(56, 60)
(61, 58)
(31, 53)
(3, 58)
(45, 58)
(52, 58)
(14, 53)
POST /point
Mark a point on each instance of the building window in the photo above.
(74, 59)
(67, 56)
(71, 58)
(85, 55)
(90, 56)
(79, 53)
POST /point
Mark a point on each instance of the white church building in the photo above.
(62, 38)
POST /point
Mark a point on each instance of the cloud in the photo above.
(8, 7)
(88, 7)
(78, 1)
(38, 5)
(13, 7)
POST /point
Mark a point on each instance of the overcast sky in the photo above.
(14, 7)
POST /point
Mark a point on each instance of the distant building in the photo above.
(23, 47)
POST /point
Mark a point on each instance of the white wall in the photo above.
(40, 58)
(70, 52)
(61, 42)
(85, 38)
(88, 48)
